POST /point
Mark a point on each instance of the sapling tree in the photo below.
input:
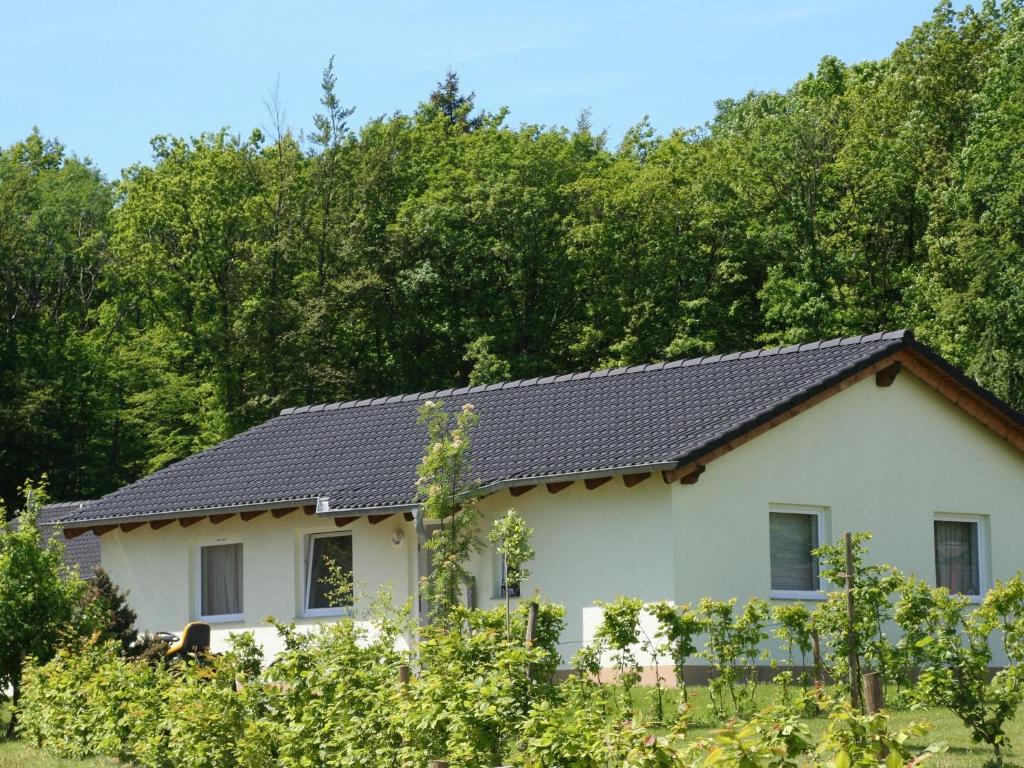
(680, 626)
(39, 595)
(733, 648)
(619, 631)
(446, 494)
(875, 589)
(793, 628)
(511, 538)
(955, 652)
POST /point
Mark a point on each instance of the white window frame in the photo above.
(983, 550)
(497, 568)
(220, 618)
(797, 509)
(307, 574)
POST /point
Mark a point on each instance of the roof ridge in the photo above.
(902, 334)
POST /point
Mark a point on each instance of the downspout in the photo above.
(421, 553)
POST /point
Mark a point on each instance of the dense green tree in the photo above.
(54, 219)
(40, 597)
(232, 275)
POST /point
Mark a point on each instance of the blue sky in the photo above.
(105, 76)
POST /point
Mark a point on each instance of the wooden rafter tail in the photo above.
(156, 525)
(126, 527)
(252, 514)
(341, 522)
(73, 533)
(408, 516)
(279, 513)
(374, 519)
(218, 519)
(189, 521)
(519, 490)
(693, 475)
(596, 482)
(635, 479)
(309, 509)
(886, 376)
(100, 530)
(556, 487)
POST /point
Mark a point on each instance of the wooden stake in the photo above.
(874, 693)
(531, 633)
(531, 625)
(404, 674)
(851, 627)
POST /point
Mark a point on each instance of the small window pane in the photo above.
(330, 556)
(956, 556)
(501, 577)
(221, 580)
(792, 537)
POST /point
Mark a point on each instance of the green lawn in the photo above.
(962, 752)
(17, 754)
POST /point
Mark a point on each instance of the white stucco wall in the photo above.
(590, 545)
(159, 568)
(879, 459)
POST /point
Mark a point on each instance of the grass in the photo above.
(945, 727)
(18, 754)
(961, 752)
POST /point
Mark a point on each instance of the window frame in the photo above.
(981, 522)
(217, 618)
(497, 574)
(795, 509)
(307, 574)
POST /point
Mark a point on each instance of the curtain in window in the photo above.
(328, 555)
(956, 556)
(221, 573)
(792, 537)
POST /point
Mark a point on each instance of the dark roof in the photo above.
(363, 454)
(81, 552)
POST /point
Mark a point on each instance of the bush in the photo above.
(954, 648)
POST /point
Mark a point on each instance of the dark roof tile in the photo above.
(364, 454)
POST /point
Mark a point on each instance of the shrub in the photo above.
(40, 598)
(679, 626)
(793, 628)
(733, 648)
(954, 646)
(875, 590)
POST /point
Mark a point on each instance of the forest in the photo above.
(150, 316)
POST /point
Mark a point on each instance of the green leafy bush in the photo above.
(954, 646)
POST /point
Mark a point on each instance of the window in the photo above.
(792, 535)
(328, 556)
(220, 582)
(501, 577)
(958, 555)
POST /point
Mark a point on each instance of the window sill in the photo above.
(228, 618)
(325, 613)
(792, 594)
(972, 599)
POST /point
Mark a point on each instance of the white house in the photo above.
(714, 476)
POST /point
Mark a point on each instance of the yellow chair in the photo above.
(194, 640)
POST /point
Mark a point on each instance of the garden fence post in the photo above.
(851, 627)
(531, 632)
(874, 693)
